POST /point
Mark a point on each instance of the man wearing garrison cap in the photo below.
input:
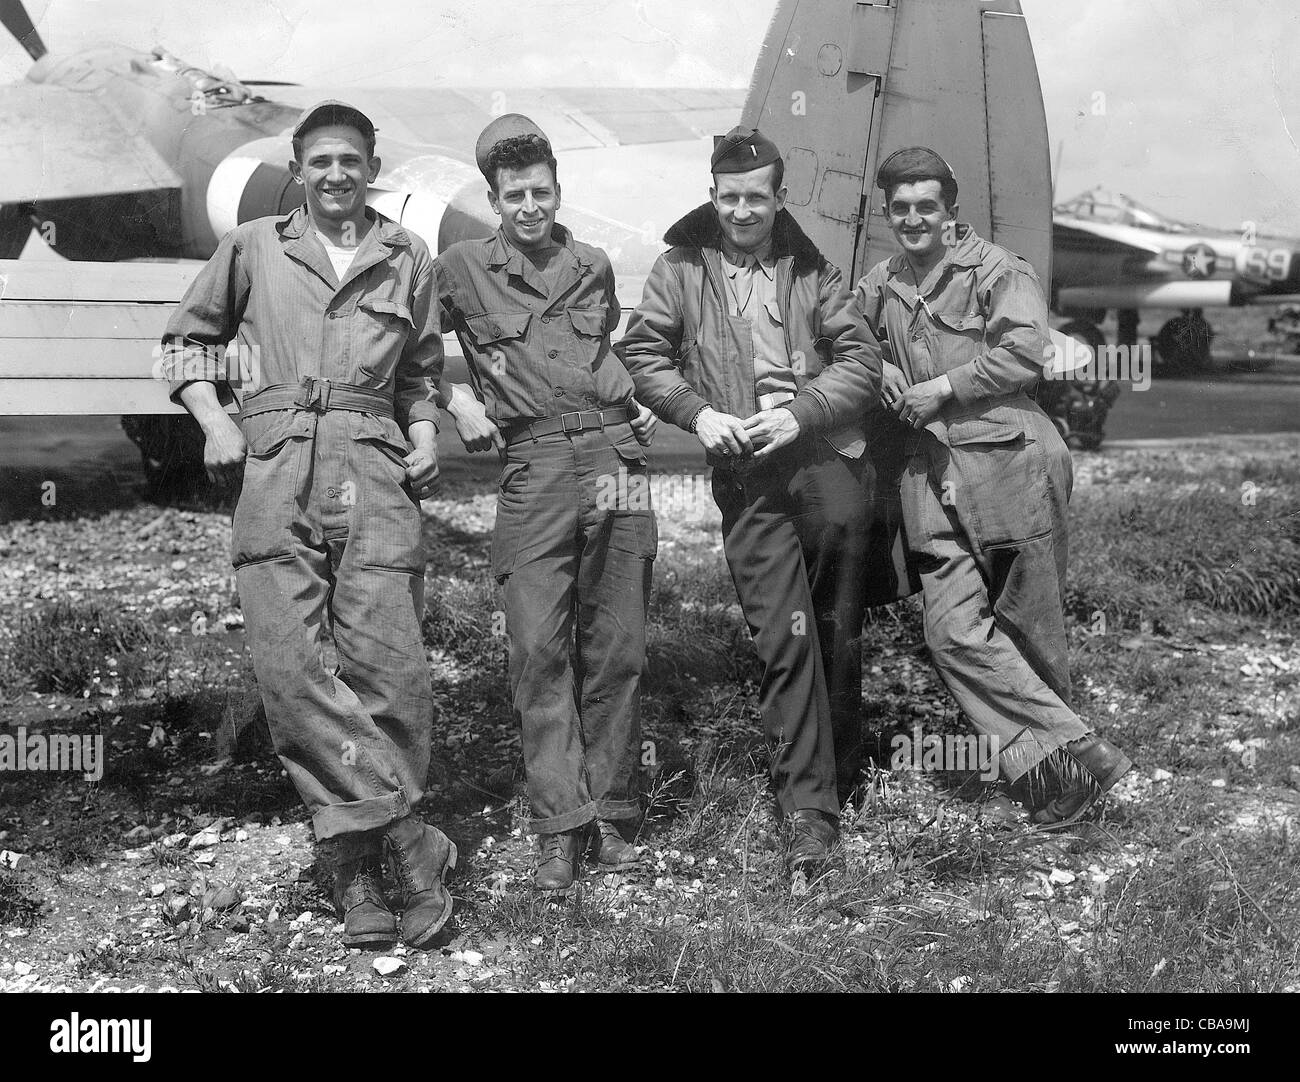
(575, 535)
(747, 337)
(964, 327)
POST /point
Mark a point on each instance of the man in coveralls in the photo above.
(964, 327)
(335, 306)
(575, 535)
(746, 336)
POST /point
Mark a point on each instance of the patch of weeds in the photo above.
(20, 905)
(694, 630)
(464, 617)
(1136, 556)
(106, 961)
(80, 839)
(72, 648)
(275, 975)
(168, 856)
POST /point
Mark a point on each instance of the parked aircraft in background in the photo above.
(1109, 251)
(114, 154)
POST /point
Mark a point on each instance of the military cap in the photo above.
(506, 126)
(912, 164)
(331, 111)
(741, 150)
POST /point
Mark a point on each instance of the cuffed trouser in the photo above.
(794, 534)
(994, 619)
(574, 546)
(331, 585)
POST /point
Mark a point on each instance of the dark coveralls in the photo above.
(575, 536)
(795, 528)
(326, 535)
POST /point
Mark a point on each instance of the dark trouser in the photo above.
(794, 533)
(574, 547)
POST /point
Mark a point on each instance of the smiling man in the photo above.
(964, 327)
(334, 308)
(746, 336)
(575, 536)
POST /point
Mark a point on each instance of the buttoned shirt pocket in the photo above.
(960, 337)
(381, 328)
(590, 322)
(503, 327)
(385, 524)
(277, 442)
(998, 481)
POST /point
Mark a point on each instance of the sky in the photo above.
(1189, 106)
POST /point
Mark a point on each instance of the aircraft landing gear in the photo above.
(1183, 344)
(1078, 406)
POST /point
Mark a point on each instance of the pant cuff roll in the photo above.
(618, 809)
(358, 816)
(553, 824)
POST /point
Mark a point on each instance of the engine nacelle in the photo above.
(250, 182)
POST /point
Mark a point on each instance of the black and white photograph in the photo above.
(708, 496)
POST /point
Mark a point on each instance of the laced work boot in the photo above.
(420, 858)
(557, 862)
(359, 899)
(610, 848)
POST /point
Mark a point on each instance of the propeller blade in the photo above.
(19, 24)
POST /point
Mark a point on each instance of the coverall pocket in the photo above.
(264, 511)
(511, 517)
(999, 483)
(381, 330)
(960, 337)
(385, 524)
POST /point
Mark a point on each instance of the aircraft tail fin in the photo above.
(839, 85)
(19, 24)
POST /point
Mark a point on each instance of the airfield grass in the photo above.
(1181, 580)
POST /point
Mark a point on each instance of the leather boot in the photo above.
(557, 863)
(610, 848)
(1104, 761)
(1058, 792)
(420, 858)
(359, 899)
(812, 833)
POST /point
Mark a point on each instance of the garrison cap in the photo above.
(912, 164)
(506, 126)
(331, 111)
(741, 150)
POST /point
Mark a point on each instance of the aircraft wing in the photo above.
(573, 119)
(65, 145)
(1100, 239)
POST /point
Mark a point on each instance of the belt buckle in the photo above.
(564, 422)
(311, 396)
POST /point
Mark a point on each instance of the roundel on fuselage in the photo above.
(245, 186)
